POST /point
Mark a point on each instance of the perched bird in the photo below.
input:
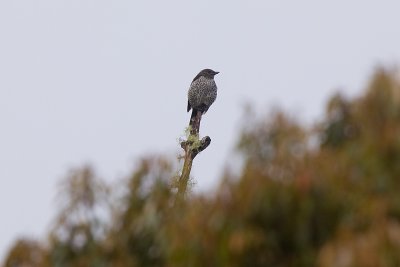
(202, 92)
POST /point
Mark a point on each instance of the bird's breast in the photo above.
(202, 91)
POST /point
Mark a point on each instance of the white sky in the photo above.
(104, 82)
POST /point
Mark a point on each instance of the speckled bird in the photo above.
(202, 92)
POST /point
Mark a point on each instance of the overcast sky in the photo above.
(105, 82)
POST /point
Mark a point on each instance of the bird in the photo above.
(202, 92)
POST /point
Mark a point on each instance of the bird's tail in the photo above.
(194, 121)
(193, 118)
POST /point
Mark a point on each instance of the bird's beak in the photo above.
(216, 72)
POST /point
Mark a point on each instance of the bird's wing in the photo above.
(189, 106)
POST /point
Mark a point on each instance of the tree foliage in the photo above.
(306, 196)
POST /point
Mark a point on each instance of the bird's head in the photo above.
(208, 73)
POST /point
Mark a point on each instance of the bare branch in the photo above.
(192, 147)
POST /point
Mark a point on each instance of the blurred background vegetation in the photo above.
(325, 195)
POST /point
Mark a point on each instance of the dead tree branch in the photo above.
(192, 147)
